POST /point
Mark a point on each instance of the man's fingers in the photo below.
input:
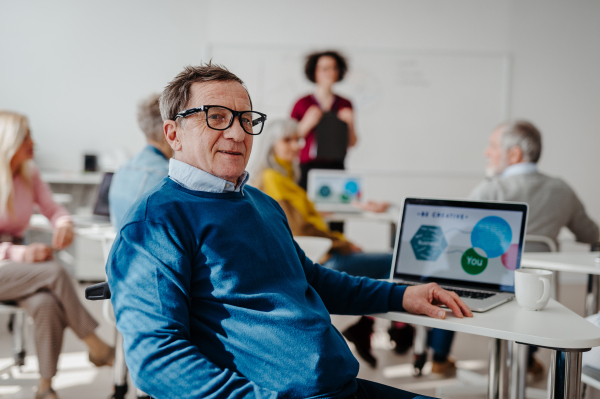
(447, 299)
(433, 311)
(463, 306)
(465, 309)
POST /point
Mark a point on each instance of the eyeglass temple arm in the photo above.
(189, 112)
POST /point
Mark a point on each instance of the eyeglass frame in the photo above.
(205, 108)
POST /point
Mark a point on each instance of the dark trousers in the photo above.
(440, 341)
(373, 390)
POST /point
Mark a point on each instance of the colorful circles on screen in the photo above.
(491, 238)
(493, 235)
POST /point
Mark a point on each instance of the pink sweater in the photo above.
(25, 197)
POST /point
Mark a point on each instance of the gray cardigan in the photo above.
(552, 204)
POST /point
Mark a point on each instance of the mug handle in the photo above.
(547, 290)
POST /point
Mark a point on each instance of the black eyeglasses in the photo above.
(221, 118)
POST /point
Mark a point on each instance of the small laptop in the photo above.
(471, 248)
(101, 215)
(334, 190)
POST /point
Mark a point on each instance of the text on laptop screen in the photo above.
(460, 243)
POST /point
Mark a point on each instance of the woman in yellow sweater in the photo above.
(277, 176)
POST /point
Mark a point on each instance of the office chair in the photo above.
(18, 325)
(537, 243)
(314, 247)
(99, 292)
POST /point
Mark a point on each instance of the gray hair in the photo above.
(274, 131)
(177, 94)
(149, 119)
(526, 136)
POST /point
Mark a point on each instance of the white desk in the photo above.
(555, 327)
(391, 216)
(574, 262)
(85, 258)
(91, 178)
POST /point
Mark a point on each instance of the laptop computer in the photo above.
(101, 215)
(334, 190)
(468, 247)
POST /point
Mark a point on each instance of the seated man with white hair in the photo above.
(211, 293)
(513, 152)
(146, 169)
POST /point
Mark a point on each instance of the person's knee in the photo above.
(43, 305)
(54, 271)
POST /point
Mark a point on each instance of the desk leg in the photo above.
(591, 300)
(518, 370)
(565, 374)
(498, 387)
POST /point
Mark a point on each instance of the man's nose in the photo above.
(235, 132)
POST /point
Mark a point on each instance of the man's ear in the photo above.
(514, 155)
(173, 135)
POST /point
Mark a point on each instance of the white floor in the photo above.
(79, 379)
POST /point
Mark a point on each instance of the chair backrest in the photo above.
(536, 243)
(314, 247)
(591, 376)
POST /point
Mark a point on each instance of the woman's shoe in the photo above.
(108, 360)
(360, 335)
(47, 394)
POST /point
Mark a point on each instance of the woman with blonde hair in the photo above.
(28, 274)
(276, 175)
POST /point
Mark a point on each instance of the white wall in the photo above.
(78, 68)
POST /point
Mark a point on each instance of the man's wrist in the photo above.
(396, 298)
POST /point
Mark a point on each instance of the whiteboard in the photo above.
(415, 111)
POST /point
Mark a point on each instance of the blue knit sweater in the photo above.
(215, 299)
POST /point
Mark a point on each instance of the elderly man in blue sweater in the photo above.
(212, 295)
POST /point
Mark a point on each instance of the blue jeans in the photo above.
(373, 265)
(373, 390)
(440, 341)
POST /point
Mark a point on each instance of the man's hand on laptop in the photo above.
(422, 299)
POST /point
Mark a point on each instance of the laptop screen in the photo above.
(471, 244)
(101, 208)
(334, 187)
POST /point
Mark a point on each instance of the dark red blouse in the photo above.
(308, 152)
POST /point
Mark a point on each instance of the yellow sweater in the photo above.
(302, 216)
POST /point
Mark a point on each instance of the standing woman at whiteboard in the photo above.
(324, 69)
(28, 274)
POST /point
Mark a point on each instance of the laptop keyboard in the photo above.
(472, 294)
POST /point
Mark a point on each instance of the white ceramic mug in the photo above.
(532, 288)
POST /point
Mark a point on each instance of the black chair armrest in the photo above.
(97, 292)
